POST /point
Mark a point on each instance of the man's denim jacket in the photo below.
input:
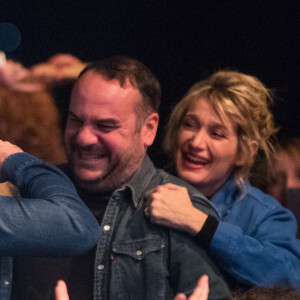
(49, 219)
(136, 259)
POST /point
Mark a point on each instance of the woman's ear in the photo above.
(242, 159)
(253, 151)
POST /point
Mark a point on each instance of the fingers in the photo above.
(61, 291)
(172, 186)
(147, 211)
(200, 292)
(164, 199)
(202, 289)
(2, 59)
(7, 149)
(180, 296)
(147, 205)
(164, 190)
(150, 196)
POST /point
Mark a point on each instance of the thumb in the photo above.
(180, 296)
(61, 291)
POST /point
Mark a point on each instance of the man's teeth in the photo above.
(90, 156)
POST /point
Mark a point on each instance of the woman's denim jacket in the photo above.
(256, 240)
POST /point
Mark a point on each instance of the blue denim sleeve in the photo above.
(266, 253)
(48, 219)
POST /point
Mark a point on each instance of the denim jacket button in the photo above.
(106, 227)
(100, 267)
(6, 283)
(139, 253)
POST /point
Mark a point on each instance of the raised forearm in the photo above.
(49, 218)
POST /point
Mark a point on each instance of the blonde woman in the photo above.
(217, 135)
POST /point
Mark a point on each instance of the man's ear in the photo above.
(149, 129)
(242, 160)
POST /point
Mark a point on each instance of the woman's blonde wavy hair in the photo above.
(243, 100)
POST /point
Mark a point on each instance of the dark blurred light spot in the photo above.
(10, 37)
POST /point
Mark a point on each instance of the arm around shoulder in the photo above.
(48, 218)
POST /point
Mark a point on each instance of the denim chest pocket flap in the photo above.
(138, 249)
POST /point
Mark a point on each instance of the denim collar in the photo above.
(229, 193)
(136, 185)
(140, 180)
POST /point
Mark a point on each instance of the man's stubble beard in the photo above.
(102, 184)
(118, 173)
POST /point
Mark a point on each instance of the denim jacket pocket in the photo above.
(132, 258)
(138, 249)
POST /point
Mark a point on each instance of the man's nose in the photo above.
(86, 137)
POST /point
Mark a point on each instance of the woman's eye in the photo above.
(188, 124)
(218, 134)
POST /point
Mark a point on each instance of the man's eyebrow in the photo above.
(109, 121)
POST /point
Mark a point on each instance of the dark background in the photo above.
(180, 41)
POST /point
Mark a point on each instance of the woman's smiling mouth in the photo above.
(194, 161)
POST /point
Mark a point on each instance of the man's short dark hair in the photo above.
(123, 68)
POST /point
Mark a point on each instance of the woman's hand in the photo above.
(170, 205)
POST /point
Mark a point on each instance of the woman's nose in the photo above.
(199, 140)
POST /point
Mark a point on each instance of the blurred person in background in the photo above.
(60, 72)
(285, 186)
(44, 216)
(28, 115)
